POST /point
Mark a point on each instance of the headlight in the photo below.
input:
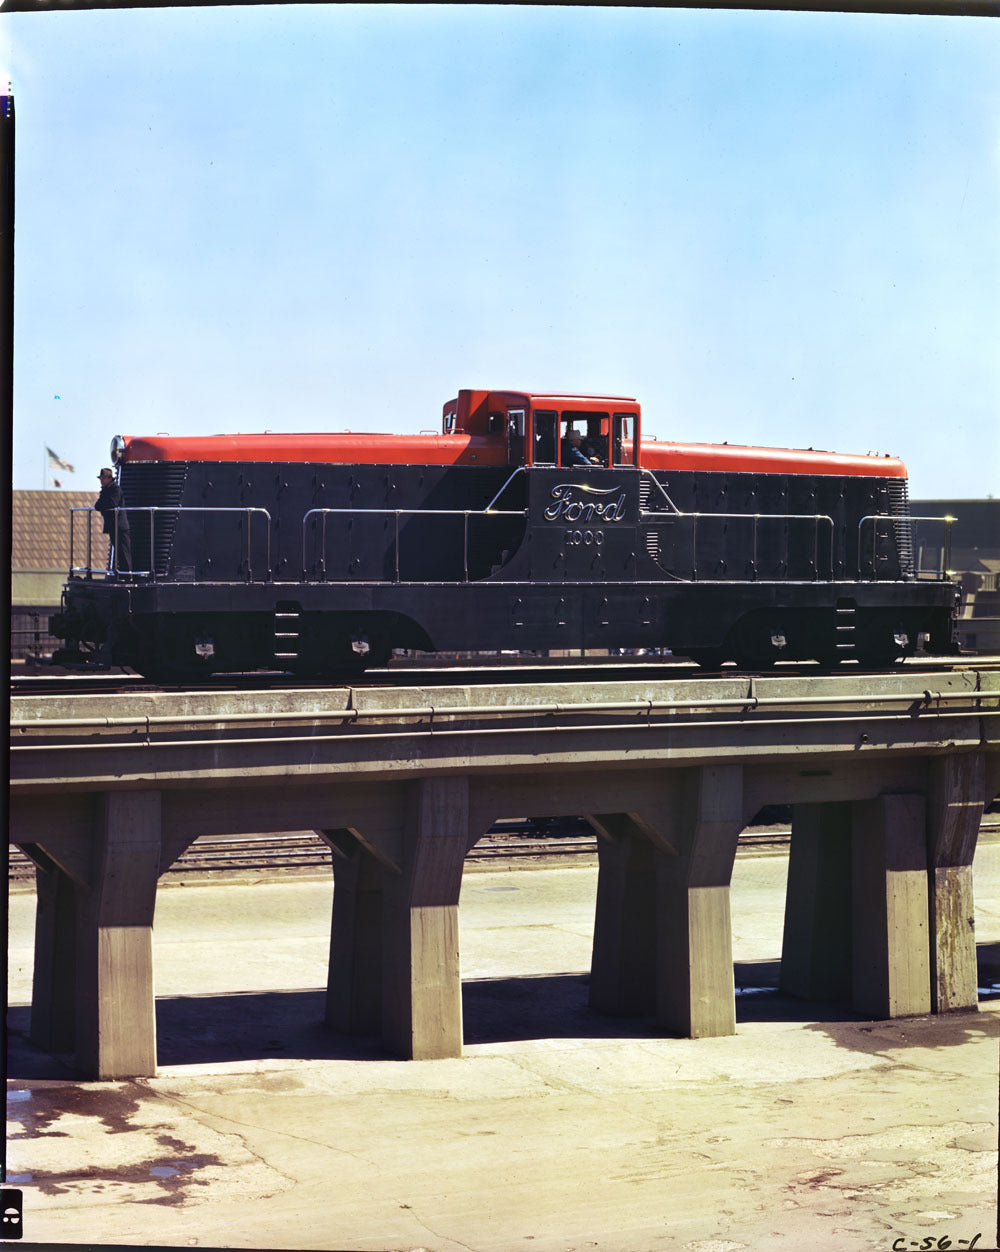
(117, 449)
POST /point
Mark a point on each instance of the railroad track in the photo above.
(303, 853)
(418, 672)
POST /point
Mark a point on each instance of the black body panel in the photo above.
(320, 567)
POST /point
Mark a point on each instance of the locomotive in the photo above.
(528, 522)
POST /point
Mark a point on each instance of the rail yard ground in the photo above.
(558, 1130)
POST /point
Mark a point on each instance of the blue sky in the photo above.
(771, 228)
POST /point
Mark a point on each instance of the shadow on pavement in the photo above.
(249, 1026)
(202, 1030)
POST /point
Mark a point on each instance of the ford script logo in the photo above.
(576, 502)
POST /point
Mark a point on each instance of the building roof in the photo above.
(40, 530)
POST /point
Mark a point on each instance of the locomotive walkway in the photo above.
(888, 776)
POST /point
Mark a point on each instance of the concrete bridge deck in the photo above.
(888, 776)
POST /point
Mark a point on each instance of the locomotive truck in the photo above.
(321, 553)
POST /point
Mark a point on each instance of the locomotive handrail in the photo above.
(156, 508)
(645, 515)
(815, 518)
(89, 569)
(947, 521)
(489, 508)
(648, 474)
(465, 514)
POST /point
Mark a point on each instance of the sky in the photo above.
(779, 229)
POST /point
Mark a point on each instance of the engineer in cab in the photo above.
(573, 451)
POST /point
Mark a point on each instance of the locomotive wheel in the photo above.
(753, 647)
(175, 650)
(884, 641)
(879, 656)
(762, 638)
(335, 657)
(707, 658)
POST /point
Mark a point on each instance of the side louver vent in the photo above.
(152, 485)
(899, 507)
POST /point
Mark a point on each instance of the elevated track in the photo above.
(38, 679)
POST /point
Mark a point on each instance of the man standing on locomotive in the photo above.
(111, 506)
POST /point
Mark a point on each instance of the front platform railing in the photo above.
(872, 524)
(147, 537)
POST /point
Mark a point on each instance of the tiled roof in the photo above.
(40, 528)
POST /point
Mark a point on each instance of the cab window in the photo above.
(624, 447)
(515, 436)
(593, 429)
(544, 436)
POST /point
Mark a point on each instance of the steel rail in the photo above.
(751, 700)
(257, 854)
(468, 674)
(858, 718)
(279, 852)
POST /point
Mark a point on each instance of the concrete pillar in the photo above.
(53, 986)
(956, 799)
(115, 1019)
(890, 948)
(421, 978)
(354, 986)
(623, 965)
(816, 945)
(694, 950)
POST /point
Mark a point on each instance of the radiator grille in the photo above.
(899, 507)
(152, 484)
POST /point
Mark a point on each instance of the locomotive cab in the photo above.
(538, 429)
(606, 438)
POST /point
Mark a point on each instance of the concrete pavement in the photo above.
(559, 1129)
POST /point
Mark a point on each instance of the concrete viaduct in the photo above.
(888, 776)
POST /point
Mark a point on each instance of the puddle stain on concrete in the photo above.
(172, 1180)
(888, 1037)
(39, 1111)
(113, 1108)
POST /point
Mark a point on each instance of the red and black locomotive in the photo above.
(530, 522)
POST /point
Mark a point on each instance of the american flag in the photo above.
(56, 462)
